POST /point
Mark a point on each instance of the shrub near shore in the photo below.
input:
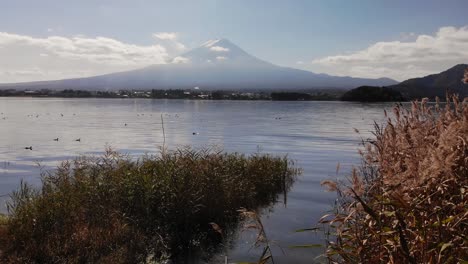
(408, 202)
(113, 209)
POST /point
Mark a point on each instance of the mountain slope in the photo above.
(435, 84)
(217, 64)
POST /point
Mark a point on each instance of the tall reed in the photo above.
(113, 209)
(407, 203)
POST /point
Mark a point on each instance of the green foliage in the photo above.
(113, 209)
(373, 94)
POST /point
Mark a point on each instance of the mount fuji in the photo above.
(215, 65)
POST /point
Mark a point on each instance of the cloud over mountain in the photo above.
(402, 59)
(171, 41)
(27, 58)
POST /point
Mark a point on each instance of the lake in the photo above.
(317, 135)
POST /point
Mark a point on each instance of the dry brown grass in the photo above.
(408, 201)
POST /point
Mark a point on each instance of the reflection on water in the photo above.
(317, 135)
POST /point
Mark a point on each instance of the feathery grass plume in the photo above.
(408, 201)
(114, 209)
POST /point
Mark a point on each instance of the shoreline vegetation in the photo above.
(408, 201)
(373, 94)
(114, 209)
(367, 94)
(188, 94)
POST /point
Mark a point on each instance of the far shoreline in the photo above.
(324, 95)
(215, 95)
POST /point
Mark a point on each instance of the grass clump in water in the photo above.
(408, 202)
(112, 209)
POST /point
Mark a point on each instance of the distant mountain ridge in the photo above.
(435, 84)
(215, 65)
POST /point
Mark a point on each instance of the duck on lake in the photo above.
(30, 148)
(79, 139)
(56, 139)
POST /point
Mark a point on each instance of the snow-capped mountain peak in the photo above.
(219, 51)
(210, 43)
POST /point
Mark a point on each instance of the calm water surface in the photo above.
(317, 135)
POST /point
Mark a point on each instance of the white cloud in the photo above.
(179, 47)
(26, 58)
(299, 62)
(170, 41)
(180, 60)
(424, 55)
(221, 58)
(219, 49)
(166, 35)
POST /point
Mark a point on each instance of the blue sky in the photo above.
(287, 33)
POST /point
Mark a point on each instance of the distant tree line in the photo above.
(298, 96)
(363, 93)
(373, 94)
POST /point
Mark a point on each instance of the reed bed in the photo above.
(407, 203)
(114, 209)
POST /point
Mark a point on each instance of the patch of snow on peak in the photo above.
(210, 43)
(219, 49)
(221, 58)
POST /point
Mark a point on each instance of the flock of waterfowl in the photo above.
(55, 139)
(37, 116)
(79, 139)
